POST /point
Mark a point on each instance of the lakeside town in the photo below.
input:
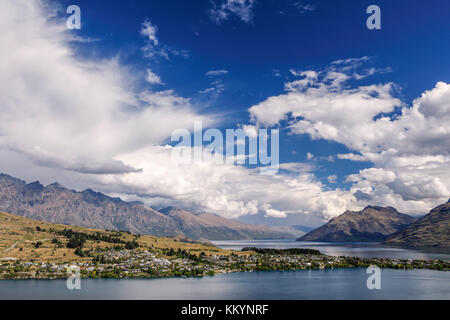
(145, 263)
(32, 249)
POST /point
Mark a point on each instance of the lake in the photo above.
(289, 285)
(363, 250)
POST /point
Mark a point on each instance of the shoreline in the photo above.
(207, 267)
(216, 274)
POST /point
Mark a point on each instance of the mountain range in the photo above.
(433, 230)
(387, 225)
(370, 224)
(57, 204)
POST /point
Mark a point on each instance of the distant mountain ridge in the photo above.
(211, 226)
(368, 225)
(432, 230)
(57, 204)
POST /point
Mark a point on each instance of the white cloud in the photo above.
(152, 78)
(351, 156)
(207, 90)
(309, 74)
(64, 111)
(77, 120)
(332, 178)
(326, 109)
(228, 190)
(149, 31)
(153, 48)
(250, 130)
(243, 9)
(410, 151)
(351, 61)
(304, 7)
(217, 85)
(276, 73)
(217, 88)
(214, 73)
(296, 167)
(275, 213)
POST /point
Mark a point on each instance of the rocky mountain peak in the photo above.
(378, 208)
(373, 223)
(56, 186)
(36, 185)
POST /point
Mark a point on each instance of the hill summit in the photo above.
(370, 224)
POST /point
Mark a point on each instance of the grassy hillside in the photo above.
(30, 240)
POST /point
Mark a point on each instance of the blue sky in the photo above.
(280, 36)
(258, 50)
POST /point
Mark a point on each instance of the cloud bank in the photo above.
(64, 111)
(409, 148)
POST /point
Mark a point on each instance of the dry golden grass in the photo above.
(18, 236)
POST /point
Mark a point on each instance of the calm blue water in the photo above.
(307, 284)
(312, 284)
(363, 250)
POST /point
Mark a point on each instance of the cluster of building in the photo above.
(154, 263)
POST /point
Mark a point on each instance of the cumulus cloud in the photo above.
(409, 149)
(229, 190)
(64, 111)
(78, 121)
(222, 11)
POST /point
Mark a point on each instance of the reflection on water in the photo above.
(282, 285)
(363, 250)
